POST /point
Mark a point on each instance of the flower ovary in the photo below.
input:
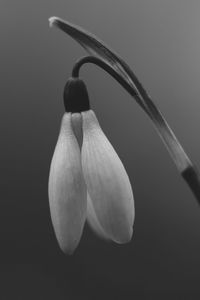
(75, 95)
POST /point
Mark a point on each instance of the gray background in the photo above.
(160, 39)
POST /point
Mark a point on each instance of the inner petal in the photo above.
(76, 120)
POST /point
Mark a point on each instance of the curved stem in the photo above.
(183, 163)
(103, 65)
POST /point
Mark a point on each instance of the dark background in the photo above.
(160, 39)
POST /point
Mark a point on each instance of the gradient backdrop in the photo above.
(160, 39)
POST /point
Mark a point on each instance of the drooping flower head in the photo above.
(87, 179)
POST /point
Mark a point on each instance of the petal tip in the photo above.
(126, 238)
(68, 244)
(67, 250)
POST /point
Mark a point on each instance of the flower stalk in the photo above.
(108, 60)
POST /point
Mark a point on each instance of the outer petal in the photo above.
(107, 182)
(67, 190)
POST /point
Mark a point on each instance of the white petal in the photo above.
(67, 189)
(107, 182)
(93, 221)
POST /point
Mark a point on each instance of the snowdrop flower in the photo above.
(87, 179)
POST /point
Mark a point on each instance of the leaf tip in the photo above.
(53, 21)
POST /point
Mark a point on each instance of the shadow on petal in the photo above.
(93, 221)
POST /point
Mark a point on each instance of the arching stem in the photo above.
(184, 165)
